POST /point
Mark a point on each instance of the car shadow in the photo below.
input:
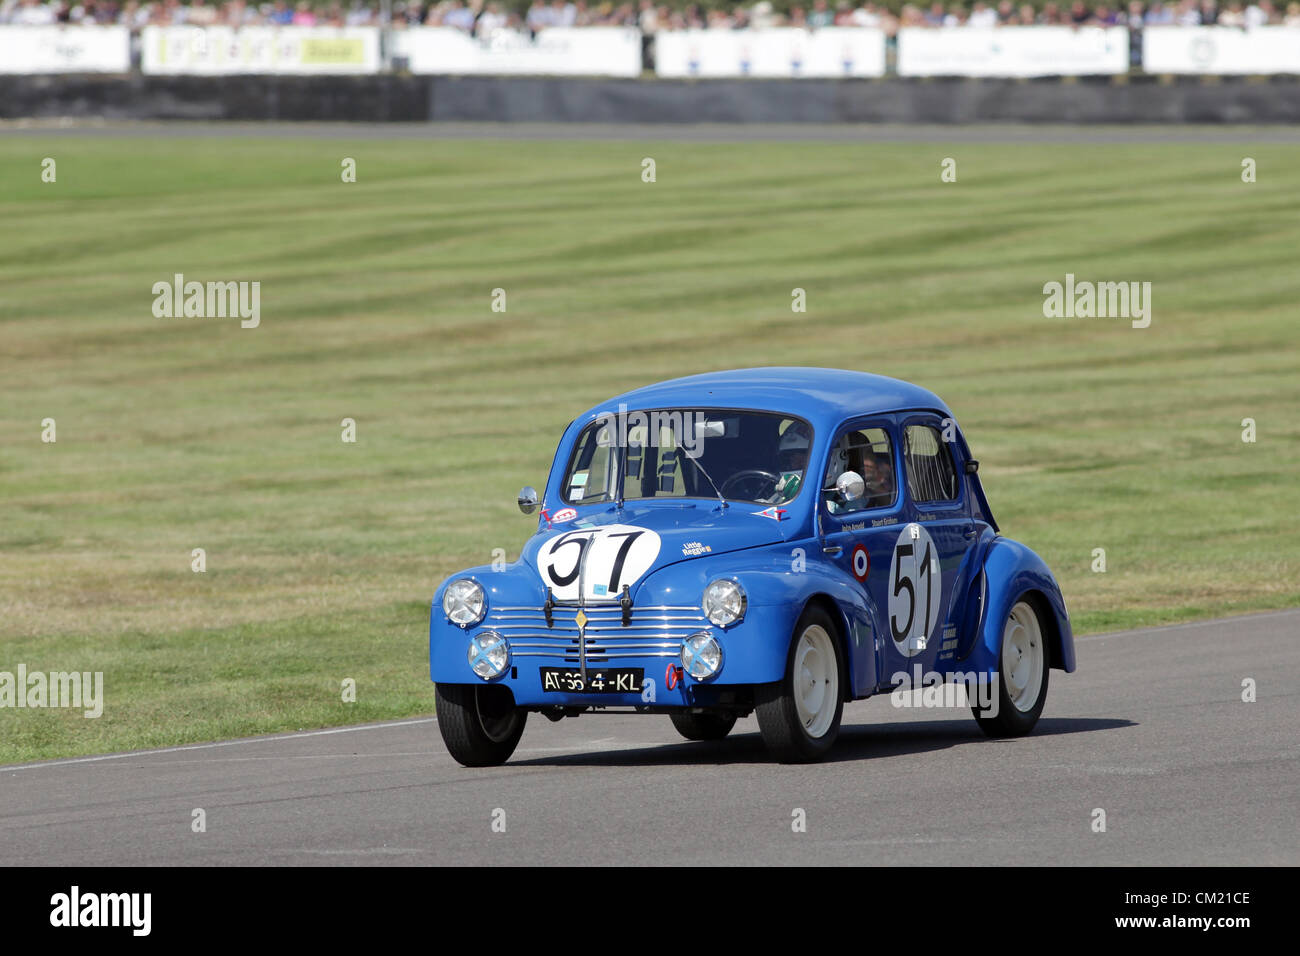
(856, 742)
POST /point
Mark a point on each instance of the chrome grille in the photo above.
(652, 631)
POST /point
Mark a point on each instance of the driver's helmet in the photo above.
(793, 449)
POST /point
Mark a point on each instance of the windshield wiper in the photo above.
(677, 442)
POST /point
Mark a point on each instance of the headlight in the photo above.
(488, 654)
(724, 602)
(463, 602)
(701, 655)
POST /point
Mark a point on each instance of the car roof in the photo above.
(828, 395)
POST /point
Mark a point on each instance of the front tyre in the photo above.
(1022, 674)
(480, 724)
(799, 715)
(702, 726)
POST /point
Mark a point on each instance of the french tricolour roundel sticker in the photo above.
(861, 562)
(597, 560)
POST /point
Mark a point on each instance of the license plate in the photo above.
(615, 680)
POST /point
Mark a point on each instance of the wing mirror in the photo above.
(850, 486)
(528, 499)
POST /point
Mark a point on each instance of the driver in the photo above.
(879, 479)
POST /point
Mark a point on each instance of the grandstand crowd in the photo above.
(479, 17)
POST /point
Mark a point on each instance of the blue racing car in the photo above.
(774, 541)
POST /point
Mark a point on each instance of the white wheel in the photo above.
(816, 681)
(1023, 658)
(1022, 672)
(799, 715)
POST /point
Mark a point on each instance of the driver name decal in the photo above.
(597, 560)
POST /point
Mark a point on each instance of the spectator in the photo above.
(1260, 14)
(31, 13)
(482, 17)
(489, 20)
(821, 15)
(539, 16)
(458, 16)
(563, 14)
(982, 15)
(1158, 15)
(1232, 16)
(868, 16)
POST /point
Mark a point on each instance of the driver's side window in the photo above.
(867, 454)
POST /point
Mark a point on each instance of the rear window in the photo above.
(928, 460)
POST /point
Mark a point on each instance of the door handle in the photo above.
(832, 549)
(969, 532)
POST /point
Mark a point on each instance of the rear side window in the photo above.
(930, 472)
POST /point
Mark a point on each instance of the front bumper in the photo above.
(754, 652)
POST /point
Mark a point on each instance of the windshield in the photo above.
(758, 457)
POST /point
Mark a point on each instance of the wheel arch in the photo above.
(1012, 571)
(833, 610)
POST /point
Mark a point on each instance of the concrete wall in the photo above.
(507, 99)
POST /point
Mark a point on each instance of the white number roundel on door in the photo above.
(915, 588)
(601, 559)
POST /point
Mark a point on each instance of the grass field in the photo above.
(183, 433)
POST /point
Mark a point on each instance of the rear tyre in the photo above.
(1023, 663)
(702, 726)
(799, 715)
(480, 724)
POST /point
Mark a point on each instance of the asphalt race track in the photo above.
(1151, 729)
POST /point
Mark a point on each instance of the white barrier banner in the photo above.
(771, 52)
(224, 50)
(1013, 51)
(558, 51)
(1221, 50)
(64, 49)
